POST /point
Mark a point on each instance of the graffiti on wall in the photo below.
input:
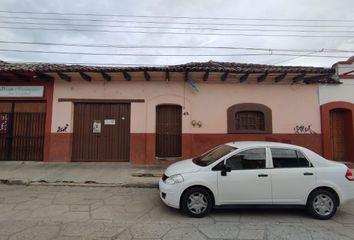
(62, 129)
(301, 129)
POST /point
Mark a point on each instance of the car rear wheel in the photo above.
(196, 202)
(322, 204)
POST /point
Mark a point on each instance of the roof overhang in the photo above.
(207, 72)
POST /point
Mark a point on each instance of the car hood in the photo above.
(185, 166)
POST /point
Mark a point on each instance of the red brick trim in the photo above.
(143, 144)
(60, 147)
(48, 95)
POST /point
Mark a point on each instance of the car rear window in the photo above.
(289, 158)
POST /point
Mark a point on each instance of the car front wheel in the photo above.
(196, 202)
(322, 204)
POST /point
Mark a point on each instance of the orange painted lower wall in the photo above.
(60, 147)
(203, 142)
(143, 144)
(138, 148)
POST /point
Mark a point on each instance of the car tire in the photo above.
(322, 204)
(196, 202)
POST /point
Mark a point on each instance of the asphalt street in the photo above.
(71, 213)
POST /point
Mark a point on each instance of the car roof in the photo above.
(244, 144)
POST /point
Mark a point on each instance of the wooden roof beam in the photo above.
(224, 76)
(186, 72)
(127, 76)
(147, 75)
(64, 76)
(43, 76)
(22, 76)
(299, 77)
(206, 75)
(244, 77)
(314, 79)
(167, 75)
(262, 77)
(85, 76)
(4, 78)
(280, 77)
(106, 76)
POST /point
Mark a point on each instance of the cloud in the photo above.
(301, 9)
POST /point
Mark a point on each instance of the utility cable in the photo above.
(178, 33)
(171, 47)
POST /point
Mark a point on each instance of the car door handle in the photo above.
(308, 173)
(262, 175)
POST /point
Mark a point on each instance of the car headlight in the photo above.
(174, 179)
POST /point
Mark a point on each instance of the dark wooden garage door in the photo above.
(101, 132)
(22, 127)
(168, 131)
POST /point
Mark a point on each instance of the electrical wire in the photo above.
(171, 47)
(179, 17)
(179, 33)
(146, 20)
(88, 63)
(182, 28)
(178, 23)
(165, 55)
(297, 57)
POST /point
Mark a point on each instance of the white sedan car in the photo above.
(257, 173)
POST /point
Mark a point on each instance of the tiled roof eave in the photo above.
(193, 67)
(236, 68)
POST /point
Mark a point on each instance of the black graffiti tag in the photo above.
(63, 129)
(303, 129)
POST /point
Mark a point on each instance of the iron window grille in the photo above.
(250, 120)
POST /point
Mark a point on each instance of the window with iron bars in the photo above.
(250, 120)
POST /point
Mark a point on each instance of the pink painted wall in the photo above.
(291, 104)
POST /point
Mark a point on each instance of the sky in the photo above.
(231, 31)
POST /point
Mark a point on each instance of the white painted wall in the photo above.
(341, 92)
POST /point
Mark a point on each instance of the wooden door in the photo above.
(338, 134)
(168, 131)
(101, 132)
(22, 130)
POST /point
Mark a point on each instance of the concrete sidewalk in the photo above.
(70, 173)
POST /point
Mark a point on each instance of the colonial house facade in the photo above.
(157, 115)
(337, 114)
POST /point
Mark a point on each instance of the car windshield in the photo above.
(213, 155)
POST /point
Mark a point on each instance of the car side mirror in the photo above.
(225, 170)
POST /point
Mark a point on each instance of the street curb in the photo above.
(76, 184)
